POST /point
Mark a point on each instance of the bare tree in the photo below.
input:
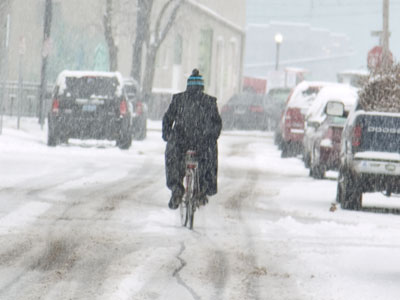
(142, 33)
(153, 40)
(48, 14)
(108, 33)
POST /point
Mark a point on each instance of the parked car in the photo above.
(140, 109)
(321, 141)
(369, 157)
(275, 101)
(245, 111)
(90, 105)
(292, 121)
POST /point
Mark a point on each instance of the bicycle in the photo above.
(192, 187)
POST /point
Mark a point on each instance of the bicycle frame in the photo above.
(192, 187)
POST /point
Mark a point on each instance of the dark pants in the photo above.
(175, 167)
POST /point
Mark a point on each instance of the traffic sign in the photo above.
(375, 57)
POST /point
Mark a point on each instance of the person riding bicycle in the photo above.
(192, 122)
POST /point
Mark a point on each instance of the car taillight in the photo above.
(139, 108)
(327, 138)
(55, 107)
(294, 118)
(329, 134)
(123, 107)
(256, 108)
(356, 140)
(225, 108)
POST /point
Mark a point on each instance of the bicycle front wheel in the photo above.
(190, 213)
(191, 205)
(183, 212)
(188, 205)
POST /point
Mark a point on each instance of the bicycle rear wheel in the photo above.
(188, 217)
(192, 203)
(184, 207)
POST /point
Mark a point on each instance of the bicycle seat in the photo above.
(191, 152)
(190, 159)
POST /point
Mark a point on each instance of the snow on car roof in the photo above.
(355, 72)
(335, 92)
(77, 74)
(300, 98)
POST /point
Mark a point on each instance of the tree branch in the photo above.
(160, 36)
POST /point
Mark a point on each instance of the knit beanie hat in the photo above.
(195, 80)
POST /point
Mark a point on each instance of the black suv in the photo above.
(90, 105)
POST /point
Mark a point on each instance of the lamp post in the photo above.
(278, 41)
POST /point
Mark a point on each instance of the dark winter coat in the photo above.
(192, 121)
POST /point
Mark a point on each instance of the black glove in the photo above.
(166, 135)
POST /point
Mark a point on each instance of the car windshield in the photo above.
(247, 99)
(306, 97)
(130, 89)
(336, 120)
(87, 86)
(279, 95)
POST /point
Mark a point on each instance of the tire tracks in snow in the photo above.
(45, 256)
(234, 203)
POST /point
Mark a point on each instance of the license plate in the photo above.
(390, 168)
(89, 107)
(239, 111)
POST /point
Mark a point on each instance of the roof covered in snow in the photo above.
(79, 74)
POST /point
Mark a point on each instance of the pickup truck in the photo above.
(369, 157)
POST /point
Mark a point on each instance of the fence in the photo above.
(26, 105)
(11, 104)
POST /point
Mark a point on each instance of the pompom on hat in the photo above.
(195, 80)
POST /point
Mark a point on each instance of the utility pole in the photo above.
(45, 52)
(22, 49)
(5, 69)
(385, 35)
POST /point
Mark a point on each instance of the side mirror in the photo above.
(335, 108)
(313, 124)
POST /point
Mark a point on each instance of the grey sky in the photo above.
(356, 18)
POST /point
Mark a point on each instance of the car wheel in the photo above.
(307, 160)
(349, 192)
(124, 142)
(125, 138)
(277, 139)
(317, 170)
(227, 123)
(51, 140)
(285, 147)
(52, 137)
(140, 133)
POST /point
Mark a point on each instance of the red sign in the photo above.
(375, 57)
(256, 85)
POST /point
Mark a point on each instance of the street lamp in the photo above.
(278, 41)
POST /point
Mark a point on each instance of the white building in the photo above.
(208, 35)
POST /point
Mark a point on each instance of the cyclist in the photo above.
(192, 122)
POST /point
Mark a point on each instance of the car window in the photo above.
(247, 99)
(87, 86)
(337, 120)
(130, 89)
(306, 97)
(278, 95)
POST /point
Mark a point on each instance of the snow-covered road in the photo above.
(89, 221)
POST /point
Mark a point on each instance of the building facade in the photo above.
(208, 35)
